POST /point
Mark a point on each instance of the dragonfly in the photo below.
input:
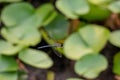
(53, 46)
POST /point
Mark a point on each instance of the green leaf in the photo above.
(73, 9)
(10, 0)
(35, 58)
(91, 65)
(15, 34)
(11, 35)
(16, 13)
(116, 66)
(115, 6)
(24, 15)
(8, 76)
(7, 64)
(49, 18)
(22, 75)
(100, 2)
(45, 14)
(115, 38)
(23, 26)
(30, 37)
(96, 13)
(58, 28)
(64, 7)
(7, 48)
(75, 47)
(95, 36)
(74, 79)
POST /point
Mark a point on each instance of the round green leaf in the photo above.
(115, 38)
(115, 6)
(89, 39)
(58, 28)
(79, 7)
(73, 9)
(36, 58)
(116, 66)
(95, 36)
(10, 0)
(11, 35)
(22, 75)
(7, 64)
(45, 14)
(100, 2)
(17, 35)
(9, 76)
(24, 15)
(7, 48)
(91, 65)
(49, 18)
(16, 13)
(96, 13)
(75, 47)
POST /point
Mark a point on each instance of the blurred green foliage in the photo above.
(25, 26)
